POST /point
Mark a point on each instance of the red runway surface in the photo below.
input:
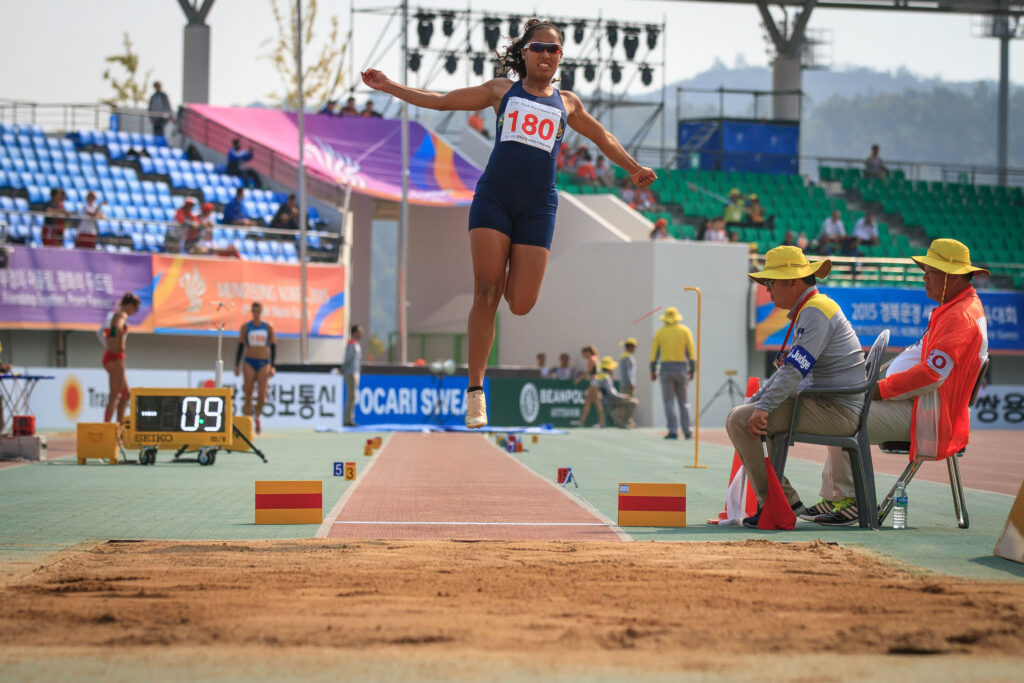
(459, 486)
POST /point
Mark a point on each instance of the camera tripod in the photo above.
(736, 395)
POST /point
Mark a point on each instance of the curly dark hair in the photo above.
(129, 299)
(511, 60)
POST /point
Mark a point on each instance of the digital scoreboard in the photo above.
(180, 417)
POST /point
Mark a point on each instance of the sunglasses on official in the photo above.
(553, 48)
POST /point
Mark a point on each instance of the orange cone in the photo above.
(750, 506)
(776, 513)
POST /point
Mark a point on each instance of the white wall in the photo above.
(620, 214)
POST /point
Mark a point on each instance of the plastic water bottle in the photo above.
(899, 508)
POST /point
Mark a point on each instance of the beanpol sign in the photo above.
(529, 403)
(515, 402)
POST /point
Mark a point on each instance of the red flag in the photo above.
(776, 512)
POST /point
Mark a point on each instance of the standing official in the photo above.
(350, 369)
(673, 345)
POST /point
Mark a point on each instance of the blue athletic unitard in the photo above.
(256, 335)
(516, 193)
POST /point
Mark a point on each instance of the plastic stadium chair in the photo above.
(857, 446)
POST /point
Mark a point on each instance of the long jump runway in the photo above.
(459, 486)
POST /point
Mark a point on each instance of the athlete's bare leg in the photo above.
(248, 381)
(526, 267)
(490, 252)
(262, 380)
(115, 372)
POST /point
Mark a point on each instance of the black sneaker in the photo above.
(751, 522)
(671, 435)
(798, 508)
(843, 514)
(822, 507)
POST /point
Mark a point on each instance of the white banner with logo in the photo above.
(294, 399)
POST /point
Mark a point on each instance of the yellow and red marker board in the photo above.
(289, 502)
(652, 504)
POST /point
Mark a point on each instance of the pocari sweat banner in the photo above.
(412, 400)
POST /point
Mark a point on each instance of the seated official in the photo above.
(618, 407)
(925, 390)
(820, 350)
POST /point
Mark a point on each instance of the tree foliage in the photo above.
(322, 70)
(127, 89)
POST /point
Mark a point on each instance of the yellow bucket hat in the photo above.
(671, 315)
(949, 256)
(627, 341)
(608, 363)
(790, 263)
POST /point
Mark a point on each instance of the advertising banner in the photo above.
(520, 402)
(413, 400)
(194, 295)
(999, 406)
(904, 312)
(71, 289)
(294, 399)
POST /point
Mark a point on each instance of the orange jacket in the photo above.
(952, 350)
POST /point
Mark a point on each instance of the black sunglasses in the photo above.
(768, 284)
(553, 48)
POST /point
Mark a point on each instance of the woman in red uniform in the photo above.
(115, 332)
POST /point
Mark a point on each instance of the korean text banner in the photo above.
(904, 312)
(71, 289)
(195, 295)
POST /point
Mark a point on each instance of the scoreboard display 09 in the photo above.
(180, 417)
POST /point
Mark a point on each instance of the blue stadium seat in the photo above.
(72, 193)
(163, 188)
(3, 179)
(131, 211)
(290, 251)
(21, 204)
(146, 164)
(38, 195)
(138, 241)
(145, 213)
(177, 179)
(123, 198)
(209, 193)
(69, 238)
(115, 150)
(6, 203)
(160, 166)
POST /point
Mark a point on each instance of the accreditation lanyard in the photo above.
(781, 355)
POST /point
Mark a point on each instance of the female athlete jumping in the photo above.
(512, 218)
(258, 348)
(114, 333)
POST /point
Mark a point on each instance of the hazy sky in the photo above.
(53, 50)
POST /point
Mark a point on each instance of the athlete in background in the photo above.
(114, 333)
(257, 351)
(512, 218)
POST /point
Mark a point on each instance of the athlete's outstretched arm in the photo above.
(585, 124)
(464, 99)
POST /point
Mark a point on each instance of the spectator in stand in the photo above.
(756, 214)
(87, 228)
(350, 108)
(789, 240)
(579, 156)
(287, 216)
(562, 161)
(55, 221)
(330, 108)
(660, 231)
(564, 369)
(644, 200)
(585, 173)
(236, 157)
(627, 192)
(873, 166)
(368, 111)
(866, 231)
(735, 211)
(715, 231)
(833, 234)
(160, 111)
(186, 225)
(234, 211)
(199, 239)
(476, 122)
(542, 365)
(802, 241)
(605, 174)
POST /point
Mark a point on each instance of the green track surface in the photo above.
(53, 505)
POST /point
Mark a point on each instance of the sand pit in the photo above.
(650, 607)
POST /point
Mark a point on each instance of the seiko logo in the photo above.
(153, 438)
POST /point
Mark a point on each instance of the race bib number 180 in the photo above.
(531, 123)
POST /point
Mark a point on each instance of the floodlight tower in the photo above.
(1004, 26)
(789, 42)
(195, 81)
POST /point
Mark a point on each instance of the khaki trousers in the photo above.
(887, 421)
(351, 394)
(817, 416)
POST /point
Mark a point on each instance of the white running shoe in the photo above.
(476, 410)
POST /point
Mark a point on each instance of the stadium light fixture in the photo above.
(577, 31)
(567, 74)
(492, 31)
(653, 31)
(448, 23)
(646, 74)
(514, 23)
(631, 41)
(616, 72)
(589, 71)
(611, 31)
(425, 27)
(478, 63)
(415, 59)
(451, 63)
